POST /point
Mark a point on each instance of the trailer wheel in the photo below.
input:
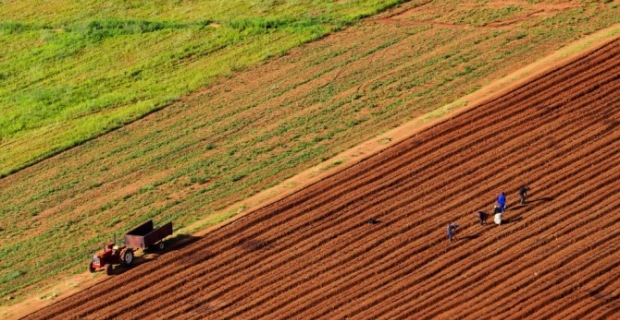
(108, 269)
(161, 246)
(127, 257)
(91, 268)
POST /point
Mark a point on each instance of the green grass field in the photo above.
(71, 70)
(254, 126)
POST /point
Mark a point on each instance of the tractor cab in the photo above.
(112, 246)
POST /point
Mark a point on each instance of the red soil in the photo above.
(313, 255)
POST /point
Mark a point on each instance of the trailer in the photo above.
(145, 236)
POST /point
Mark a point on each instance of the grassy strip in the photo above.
(65, 80)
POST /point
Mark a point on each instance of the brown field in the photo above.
(312, 255)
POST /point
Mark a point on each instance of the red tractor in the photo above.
(142, 237)
(111, 255)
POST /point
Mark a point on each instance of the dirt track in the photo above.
(313, 254)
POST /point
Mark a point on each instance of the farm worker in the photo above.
(482, 216)
(523, 194)
(451, 228)
(501, 201)
(497, 215)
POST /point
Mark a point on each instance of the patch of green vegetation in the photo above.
(10, 275)
(334, 164)
(482, 16)
(76, 70)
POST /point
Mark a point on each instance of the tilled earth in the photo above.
(313, 255)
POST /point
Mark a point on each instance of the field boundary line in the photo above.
(392, 137)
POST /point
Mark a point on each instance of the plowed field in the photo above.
(313, 255)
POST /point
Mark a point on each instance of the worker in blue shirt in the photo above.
(501, 201)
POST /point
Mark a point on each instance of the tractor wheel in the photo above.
(161, 246)
(127, 257)
(91, 268)
(108, 269)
